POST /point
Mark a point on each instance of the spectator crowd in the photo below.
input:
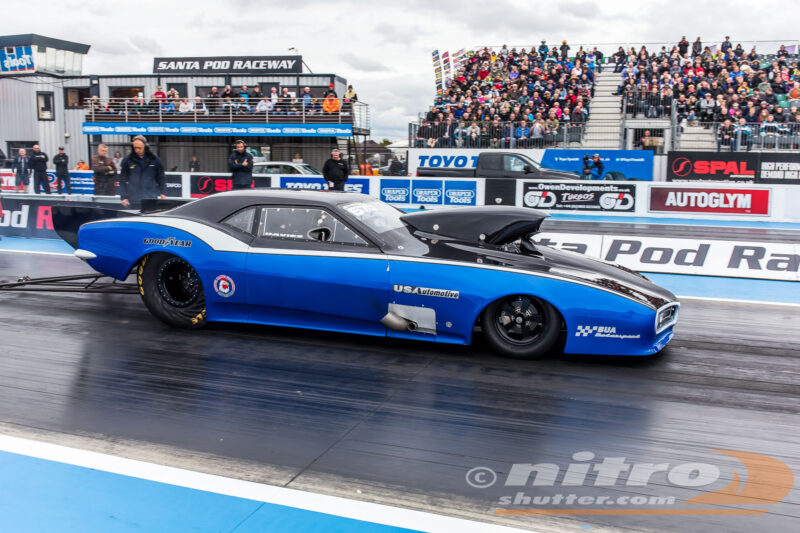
(746, 98)
(242, 101)
(513, 98)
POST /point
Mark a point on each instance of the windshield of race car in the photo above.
(377, 216)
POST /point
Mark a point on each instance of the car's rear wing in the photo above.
(68, 218)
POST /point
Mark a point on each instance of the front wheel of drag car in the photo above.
(521, 326)
(171, 290)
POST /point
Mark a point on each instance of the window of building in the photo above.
(44, 106)
(182, 88)
(126, 92)
(76, 97)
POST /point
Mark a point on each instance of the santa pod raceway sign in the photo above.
(229, 65)
(584, 196)
(712, 166)
(710, 200)
(710, 257)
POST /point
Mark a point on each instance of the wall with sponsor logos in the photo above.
(628, 164)
(692, 256)
(741, 167)
(721, 201)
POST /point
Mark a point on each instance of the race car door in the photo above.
(306, 268)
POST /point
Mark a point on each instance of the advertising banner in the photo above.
(617, 164)
(779, 167)
(710, 200)
(14, 59)
(712, 166)
(360, 185)
(81, 181)
(621, 164)
(174, 185)
(205, 129)
(739, 259)
(429, 192)
(201, 185)
(581, 195)
(32, 217)
(229, 65)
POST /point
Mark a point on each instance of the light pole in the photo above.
(295, 50)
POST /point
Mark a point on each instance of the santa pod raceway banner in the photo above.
(699, 257)
(741, 167)
(33, 217)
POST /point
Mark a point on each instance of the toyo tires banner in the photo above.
(618, 164)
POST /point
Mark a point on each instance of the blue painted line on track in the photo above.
(678, 221)
(45, 496)
(21, 244)
(757, 290)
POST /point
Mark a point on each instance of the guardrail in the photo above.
(231, 110)
(495, 134)
(751, 136)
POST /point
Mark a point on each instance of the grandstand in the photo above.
(675, 96)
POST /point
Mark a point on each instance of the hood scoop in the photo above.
(495, 225)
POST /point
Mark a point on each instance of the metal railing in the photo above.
(647, 104)
(751, 136)
(231, 110)
(489, 134)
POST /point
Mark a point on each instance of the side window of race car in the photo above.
(306, 225)
(242, 220)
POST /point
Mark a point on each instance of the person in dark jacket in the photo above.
(61, 161)
(105, 172)
(38, 161)
(21, 167)
(240, 164)
(141, 176)
(335, 171)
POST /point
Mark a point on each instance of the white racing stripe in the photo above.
(332, 505)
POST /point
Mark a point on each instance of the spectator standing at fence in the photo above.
(214, 100)
(336, 171)
(564, 48)
(725, 136)
(683, 46)
(743, 135)
(297, 158)
(194, 164)
(726, 45)
(240, 163)
(38, 162)
(105, 173)
(141, 176)
(118, 160)
(21, 167)
(61, 162)
(159, 94)
(551, 128)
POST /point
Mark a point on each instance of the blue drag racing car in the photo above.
(350, 263)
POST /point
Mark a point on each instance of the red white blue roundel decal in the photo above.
(224, 286)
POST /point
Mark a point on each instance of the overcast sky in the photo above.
(382, 48)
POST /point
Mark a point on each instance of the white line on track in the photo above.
(333, 505)
(36, 253)
(733, 301)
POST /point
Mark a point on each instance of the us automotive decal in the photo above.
(425, 291)
(224, 286)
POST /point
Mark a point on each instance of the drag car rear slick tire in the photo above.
(536, 347)
(190, 314)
